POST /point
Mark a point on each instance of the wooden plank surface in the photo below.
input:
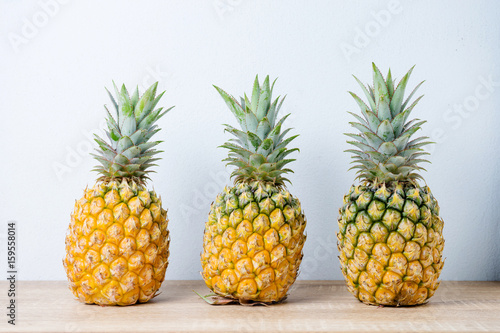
(313, 306)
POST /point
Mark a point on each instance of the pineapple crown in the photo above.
(259, 149)
(385, 152)
(128, 152)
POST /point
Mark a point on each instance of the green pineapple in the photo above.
(390, 234)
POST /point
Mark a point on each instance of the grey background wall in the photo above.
(57, 57)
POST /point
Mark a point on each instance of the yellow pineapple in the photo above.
(252, 246)
(117, 245)
(390, 235)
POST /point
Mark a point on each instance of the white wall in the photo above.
(52, 91)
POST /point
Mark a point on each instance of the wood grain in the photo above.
(313, 306)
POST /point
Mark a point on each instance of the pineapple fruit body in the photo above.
(391, 243)
(252, 245)
(117, 245)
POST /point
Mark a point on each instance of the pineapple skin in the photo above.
(391, 243)
(117, 244)
(252, 245)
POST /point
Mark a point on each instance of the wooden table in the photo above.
(313, 306)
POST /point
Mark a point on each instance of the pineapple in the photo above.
(117, 245)
(390, 234)
(253, 240)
